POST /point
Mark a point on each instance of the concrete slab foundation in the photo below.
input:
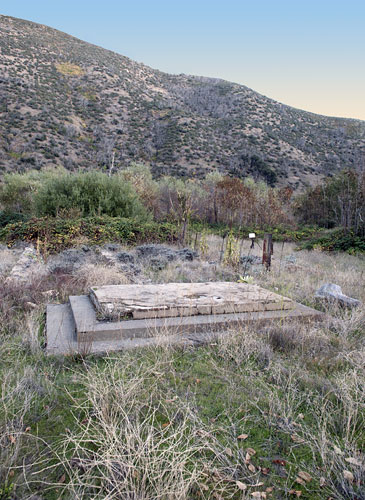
(183, 299)
(74, 327)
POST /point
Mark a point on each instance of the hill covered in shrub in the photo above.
(69, 103)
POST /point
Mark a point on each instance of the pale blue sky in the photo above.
(309, 54)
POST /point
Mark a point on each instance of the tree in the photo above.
(18, 190)
(338, 201)
(210, 186)
(180, 200)
(140, 177)
(232, 198)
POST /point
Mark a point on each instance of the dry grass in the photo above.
(69, 69)
(163, 423)
(99, 275)
(312, 269)
(145, 445)
(190, 272)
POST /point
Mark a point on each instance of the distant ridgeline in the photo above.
(69, 103)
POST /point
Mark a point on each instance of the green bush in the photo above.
(88, 194)
(338, 240)
(17, 190)
(9, 217)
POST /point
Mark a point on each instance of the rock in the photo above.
(72, 259)
(28, 262)
(125, 257)
(165, 252)
(31, 305)
(67, 261)
(49, 293)
(105, 257)
(158, 263)
(186, 254)
(113, 247)
(333, 293)
(130, 269)
(149, 251)
(20, 245)
(290, 259)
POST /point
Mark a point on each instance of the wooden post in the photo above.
(281, 256)
(196, 241)
(267, 251)
(222, 249)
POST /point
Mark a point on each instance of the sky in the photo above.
(305, 53)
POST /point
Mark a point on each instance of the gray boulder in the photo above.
(290, 259)
(333, 293)
(67, 261)
(165, 252)
(186, 254)
(151, 251)
(158, 263)
(125, 257)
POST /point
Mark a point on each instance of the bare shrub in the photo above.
(305, 339)
(193, 272)
(99, 275)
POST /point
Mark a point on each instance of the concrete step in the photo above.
(190, 325)
(90, 330)
(108, 337)
(83, 312)
(60, 329)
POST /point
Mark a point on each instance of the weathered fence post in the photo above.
(222, 249)
(267, 251)
(196, 241)
(281, 256)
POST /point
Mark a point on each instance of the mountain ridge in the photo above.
(67, 102)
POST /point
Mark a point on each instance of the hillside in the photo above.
(67, 102)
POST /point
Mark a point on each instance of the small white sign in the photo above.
(252, 235)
